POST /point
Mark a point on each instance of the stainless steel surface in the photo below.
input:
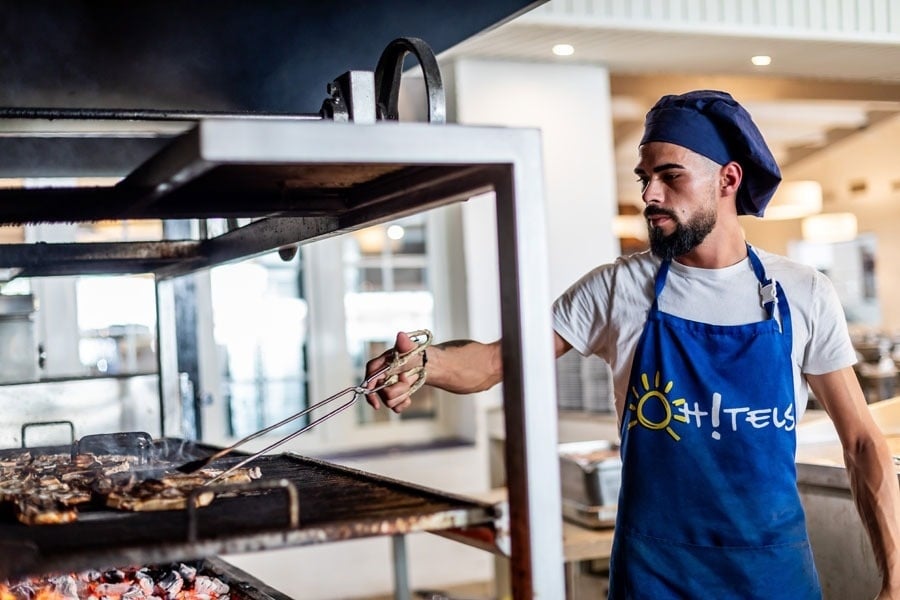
(16, 305)
(337, 177)
(841, 547)
(840, 544)
(591, 474)
(401, 574)
(99, 258)
(93, 405)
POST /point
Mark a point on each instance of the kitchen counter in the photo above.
(840, 544)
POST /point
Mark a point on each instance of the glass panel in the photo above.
(117, 324)
(260, 329)
(387, 290)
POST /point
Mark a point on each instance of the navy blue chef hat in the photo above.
(713, 124)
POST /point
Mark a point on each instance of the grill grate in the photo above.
(335, 503)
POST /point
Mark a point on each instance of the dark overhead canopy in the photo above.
(228, 55)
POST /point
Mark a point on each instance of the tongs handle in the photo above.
(423, 339)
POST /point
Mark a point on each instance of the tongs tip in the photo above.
(193, 466)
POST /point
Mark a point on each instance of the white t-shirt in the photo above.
(604, 312)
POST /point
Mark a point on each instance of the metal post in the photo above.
(529, 383)
(401, 575)
(177, 335)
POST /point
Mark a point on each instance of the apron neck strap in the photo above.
(661, 275)
(769, 291)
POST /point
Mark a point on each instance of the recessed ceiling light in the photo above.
(563, 50)
(761, 60)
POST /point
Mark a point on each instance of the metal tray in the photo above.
(590, 477)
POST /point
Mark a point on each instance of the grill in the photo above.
(299, 180)
(240, 585)
(333, 503)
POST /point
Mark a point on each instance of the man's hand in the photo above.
(395, 397)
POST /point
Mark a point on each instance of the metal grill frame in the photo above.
(439, 164)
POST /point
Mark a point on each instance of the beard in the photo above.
(686, 236)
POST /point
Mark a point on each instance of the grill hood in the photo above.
(231, 56)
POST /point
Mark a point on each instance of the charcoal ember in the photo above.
(211, 586)
(66, 586)
(91, 575)
(187, 572)
(114, 576)
(113, 590)
(145, 582)
(169, 585)
(136, 593)
(23, 590)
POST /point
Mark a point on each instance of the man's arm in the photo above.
(458, 366)
(873, 477)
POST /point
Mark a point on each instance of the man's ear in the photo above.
(730, 178)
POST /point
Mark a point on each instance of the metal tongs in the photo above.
(390, 372)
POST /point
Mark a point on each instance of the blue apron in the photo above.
(709, 506)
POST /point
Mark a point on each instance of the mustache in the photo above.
(650, 211)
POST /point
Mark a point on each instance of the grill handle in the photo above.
(387, 79)
(27, 426)
(132, 443)
(293, 498)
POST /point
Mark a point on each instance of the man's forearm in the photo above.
(873, 481)
(464, 366)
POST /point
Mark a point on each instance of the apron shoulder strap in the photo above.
(771, 293)
(660, 283)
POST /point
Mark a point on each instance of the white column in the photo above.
(571, 106)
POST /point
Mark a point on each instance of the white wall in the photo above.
(570, 104)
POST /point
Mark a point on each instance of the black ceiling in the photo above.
(221, 55)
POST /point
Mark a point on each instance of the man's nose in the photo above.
(652, 192)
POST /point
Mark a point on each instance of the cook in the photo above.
(713, 345)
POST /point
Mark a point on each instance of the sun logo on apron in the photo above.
(653, 409)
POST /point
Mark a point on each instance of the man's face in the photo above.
(679, 188)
